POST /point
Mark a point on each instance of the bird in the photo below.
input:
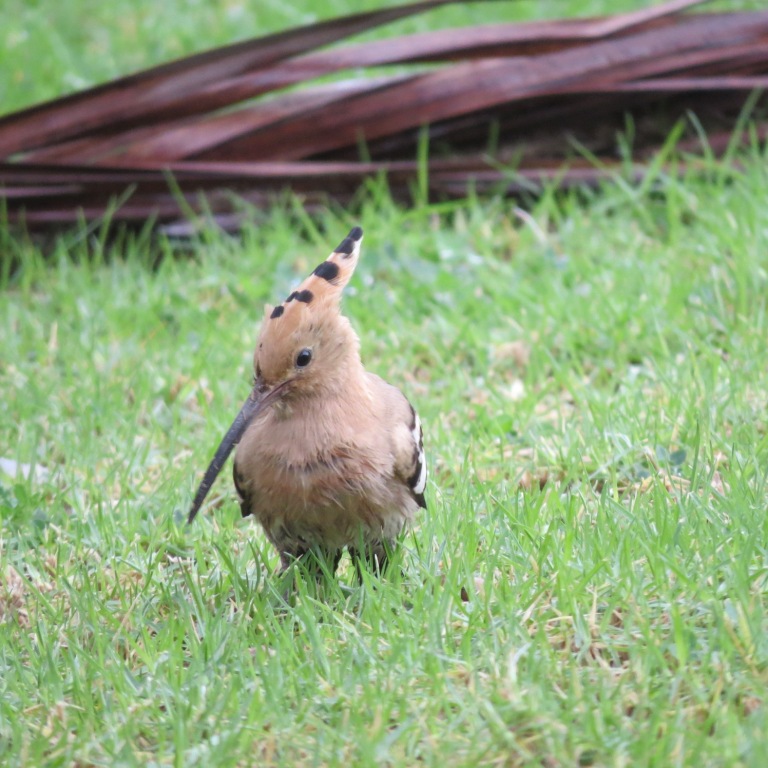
(328, 455)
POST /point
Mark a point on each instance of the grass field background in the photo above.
(589, 584)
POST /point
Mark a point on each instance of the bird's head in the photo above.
(306, 347)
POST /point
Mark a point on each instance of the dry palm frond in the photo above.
(261, 116)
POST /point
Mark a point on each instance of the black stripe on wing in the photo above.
(417, 481)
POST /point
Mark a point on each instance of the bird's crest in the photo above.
(324, 285)
(310, 315)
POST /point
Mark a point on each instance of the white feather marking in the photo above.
(416, 431)
(421, 482)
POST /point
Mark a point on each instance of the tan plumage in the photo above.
(329, 455)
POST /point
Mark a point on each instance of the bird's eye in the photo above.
(303, 358)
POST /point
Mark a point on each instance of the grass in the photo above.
(589, 584)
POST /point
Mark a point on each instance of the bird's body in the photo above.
(329, 474)
(329, 456)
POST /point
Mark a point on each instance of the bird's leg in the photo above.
(314, 562)
(312, 559)
(374, 556)
(287, 558)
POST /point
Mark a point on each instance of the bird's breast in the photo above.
(323, 487)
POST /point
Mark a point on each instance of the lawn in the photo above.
(590, 583)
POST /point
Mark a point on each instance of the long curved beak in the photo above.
(256, 402)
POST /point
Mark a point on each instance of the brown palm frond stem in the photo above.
(252, 118)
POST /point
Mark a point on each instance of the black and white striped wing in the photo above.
(417, 480)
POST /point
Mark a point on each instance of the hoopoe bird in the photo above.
(328, 455)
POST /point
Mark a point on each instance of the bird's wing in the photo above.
(416, 462)
(406, 438)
